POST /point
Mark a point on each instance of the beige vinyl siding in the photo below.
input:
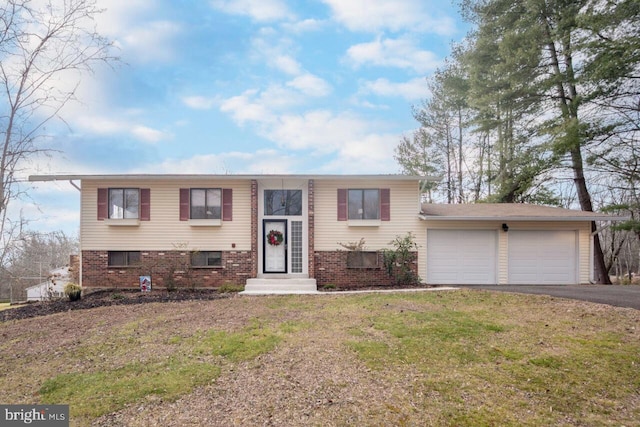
(165, 231)
(405, 207)
(583, 230)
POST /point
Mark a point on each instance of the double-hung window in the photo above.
(124, 206)
(206, 203)
(364, 204)
(124, 203)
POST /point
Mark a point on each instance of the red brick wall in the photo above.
(164, 266)
(331, 268)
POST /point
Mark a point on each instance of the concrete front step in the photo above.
(265, 286)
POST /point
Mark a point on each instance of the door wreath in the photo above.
(275, 237)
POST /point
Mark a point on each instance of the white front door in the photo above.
(275, 245)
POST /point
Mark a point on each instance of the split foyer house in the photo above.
(283, 232)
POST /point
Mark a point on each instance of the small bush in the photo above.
(73, 291)
(329, 286)
(398, 261)
(230, 288)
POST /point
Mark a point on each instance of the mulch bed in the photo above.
(106, 298)
(109, 297)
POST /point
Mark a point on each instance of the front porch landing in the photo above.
(280, 285)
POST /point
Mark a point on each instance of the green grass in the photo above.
(96, 393)
(247, 344)
(499, 368)
(420, 335)
(197, 362)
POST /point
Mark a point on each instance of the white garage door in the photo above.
(542, 257)
(465, 257)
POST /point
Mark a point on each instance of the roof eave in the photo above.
(525, 218)
(166, 177)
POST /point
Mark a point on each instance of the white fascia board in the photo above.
(594, 217)
(185, 177)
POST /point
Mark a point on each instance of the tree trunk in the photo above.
(600, 271)
(460, 159)
(568, 103)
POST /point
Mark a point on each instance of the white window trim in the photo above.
(122, 222)
(364, 222)
(205, 222)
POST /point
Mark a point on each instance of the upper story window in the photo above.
(364, 204)
(213, 205)
(283, 202)
(127, 206)
(206, 203)
(124, 203)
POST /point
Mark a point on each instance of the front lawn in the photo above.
(459, 358)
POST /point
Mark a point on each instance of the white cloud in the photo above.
(263, 107)
(150, 42)
(51, 217)
(411, 90)
(320, 131)
(117, 124)
(394, 15)
(304, 26)
(243, 108)
(140, 37)
(399, 53)
(147, 134)
(119, 16)
(358, 144)
(198, 102)
(370, 153)
(99, 124)
(286, 64)
(261, 161)
(311, 85)
(258, 10)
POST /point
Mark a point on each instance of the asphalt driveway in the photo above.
(620, 296)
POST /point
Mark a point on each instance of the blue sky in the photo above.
(247, 86)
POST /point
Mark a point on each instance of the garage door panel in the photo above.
(542, 257)
(461, 256)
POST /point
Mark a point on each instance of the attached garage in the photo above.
(488, 243)
(542, 257)
(466, 257)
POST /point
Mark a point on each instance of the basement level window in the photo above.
(123, 258)
(362, 259)
(206, 259)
